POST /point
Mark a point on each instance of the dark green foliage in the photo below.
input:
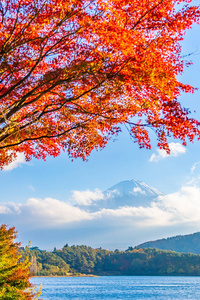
(133, 261)
(46, 263)
(189, 243)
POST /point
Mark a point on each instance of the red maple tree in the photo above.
(72, 72)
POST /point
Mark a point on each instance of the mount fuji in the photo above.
(125, 193)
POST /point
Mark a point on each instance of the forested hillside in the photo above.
(181, 243)
(82, 259)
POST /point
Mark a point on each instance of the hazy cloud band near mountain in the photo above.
(182, 207)
(129, 213)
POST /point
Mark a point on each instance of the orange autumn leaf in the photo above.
(72, 72)
(14, 275)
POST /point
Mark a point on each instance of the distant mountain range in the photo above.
(125, 193)
(189, 243)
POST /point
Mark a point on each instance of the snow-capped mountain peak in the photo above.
(131, 193)
(135, 188)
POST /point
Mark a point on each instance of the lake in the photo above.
(119, 287)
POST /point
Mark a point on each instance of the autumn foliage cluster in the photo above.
(14, 275)
(72, 72)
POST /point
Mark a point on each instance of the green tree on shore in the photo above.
(14, 275)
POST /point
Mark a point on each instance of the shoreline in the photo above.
(139, 275)
(78, 275)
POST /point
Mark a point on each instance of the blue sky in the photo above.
(58, 178)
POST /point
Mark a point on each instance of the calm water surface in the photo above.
(119, 287)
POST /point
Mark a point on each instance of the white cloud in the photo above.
(175, 150)
(182, 207)
(136, 216)
(138, 190)
(194, 166)
(52, 211)
(87, 197)
(172, 214)
(4, 209)
(49, 212)
(111, 194)
(46, 212)
(20, 159)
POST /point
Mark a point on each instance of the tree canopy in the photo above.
(72, 72)
(14, 275)
(76, 260)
